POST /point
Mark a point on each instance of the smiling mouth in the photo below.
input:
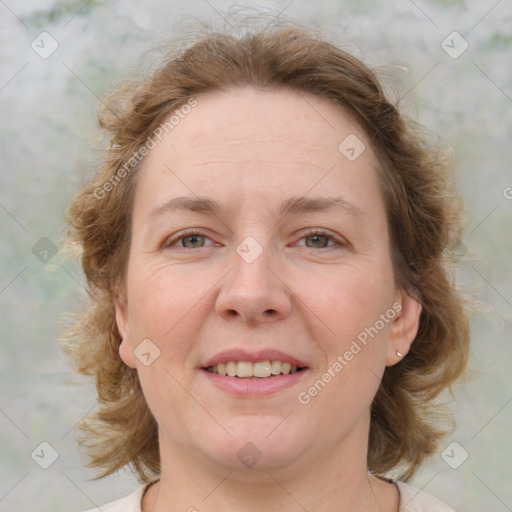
(247, 369)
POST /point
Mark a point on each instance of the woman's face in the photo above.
(277, 250)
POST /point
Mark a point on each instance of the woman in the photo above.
(270, 314)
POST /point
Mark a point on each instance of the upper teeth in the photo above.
(248, 369)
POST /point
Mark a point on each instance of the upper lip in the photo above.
(253, 357)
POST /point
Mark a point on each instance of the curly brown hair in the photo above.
(423, 210)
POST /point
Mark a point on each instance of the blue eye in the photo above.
(314, 239)
(187, 240)
(320, 239)
(193, 240)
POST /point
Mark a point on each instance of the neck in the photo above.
(335, 482)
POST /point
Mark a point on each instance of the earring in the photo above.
(399, 354)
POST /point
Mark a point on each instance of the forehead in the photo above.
(281, 118)
(246, 143)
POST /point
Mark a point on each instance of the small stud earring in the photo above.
(399, 354)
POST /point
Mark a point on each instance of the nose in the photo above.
(254, 292)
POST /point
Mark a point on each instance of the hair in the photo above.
(424, 214)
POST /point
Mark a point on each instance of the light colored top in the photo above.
(411, 500)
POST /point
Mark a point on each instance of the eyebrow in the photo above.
(292, 206)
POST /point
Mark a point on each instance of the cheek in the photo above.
(354, 344)
(163, 308)
(352, 300)
(358, 311)
(157, 296)
(167, 305)
(151, 305)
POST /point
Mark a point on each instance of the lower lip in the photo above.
(254, 386)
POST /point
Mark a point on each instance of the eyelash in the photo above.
(309, 233)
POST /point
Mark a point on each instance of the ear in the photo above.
(121, 312)
(404, 327)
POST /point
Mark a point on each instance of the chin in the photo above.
(263, 443)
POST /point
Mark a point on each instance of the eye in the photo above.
(316, 238)
(186, 240)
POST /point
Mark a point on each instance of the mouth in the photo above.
(246, 373)
(249, 370)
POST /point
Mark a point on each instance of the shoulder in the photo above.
(130, 503)
(414, 500)
(411, 500)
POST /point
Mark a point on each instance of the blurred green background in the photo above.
(50, 86)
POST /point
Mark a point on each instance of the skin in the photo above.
(309, 297)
